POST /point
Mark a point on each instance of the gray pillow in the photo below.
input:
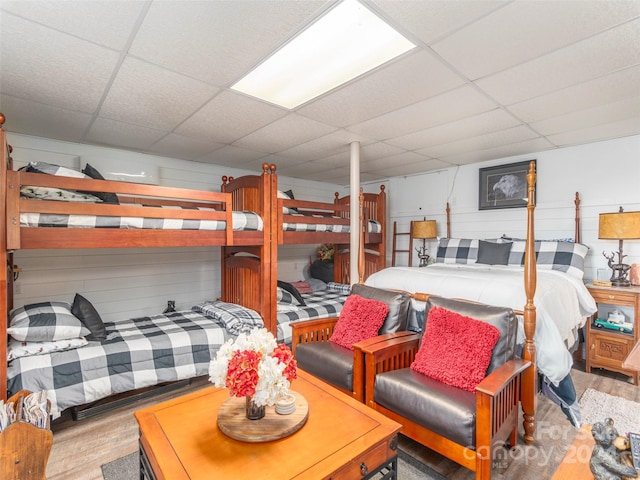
(89, 316)
(490, 253)
(503, 318)
(398, 302)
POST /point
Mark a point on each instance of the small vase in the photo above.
(254, 412)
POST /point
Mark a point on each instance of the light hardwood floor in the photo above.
(80, 448)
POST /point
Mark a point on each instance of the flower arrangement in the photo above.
(325, 252)
(255, 366)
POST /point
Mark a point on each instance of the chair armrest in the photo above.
(318, 330)
(493, 383)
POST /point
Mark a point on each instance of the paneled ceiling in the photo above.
(487, 80)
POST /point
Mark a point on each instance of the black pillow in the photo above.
(292, 290)
(491, 253)
(106, 197)
(90, 318)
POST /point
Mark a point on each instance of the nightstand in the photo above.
(608, 344)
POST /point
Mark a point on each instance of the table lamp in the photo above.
(619, 226)
(424, 229)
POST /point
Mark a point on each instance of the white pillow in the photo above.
(17, 349)
(52, 193)
(44, 322)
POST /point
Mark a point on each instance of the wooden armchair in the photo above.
(341, 367)
(462, 425)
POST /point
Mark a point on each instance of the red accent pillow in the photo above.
(455, 349)
(360, 318)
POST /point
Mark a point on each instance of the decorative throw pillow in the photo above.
(360, 319)
(46, 321)
(51, 169)
(106, 197)
(292, 290)
(455, 349)
(89, 316)
(288, 195)
(491, 253)
(17, 349)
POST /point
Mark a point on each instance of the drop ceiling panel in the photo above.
(285, 133)
(43, 65)
(110, 132)
(395, 160)
(480, 124)
(522, 31)
(229, 116)
(410, 79)
(522, 148)
(335, 142)
(591, 58)
(601, 91)
(165, 101)
(231, 156)
(444, 108)
(600, 132)
(186, 148)
(218, 41)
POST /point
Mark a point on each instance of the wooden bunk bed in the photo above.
(143, 216)
(250, 273)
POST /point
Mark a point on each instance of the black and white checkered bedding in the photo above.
(137, 353)
(320, 304)
(247, 221)
(374, 227)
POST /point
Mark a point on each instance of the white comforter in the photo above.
(562, 301)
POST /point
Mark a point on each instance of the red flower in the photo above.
(242, 373)
(284, 355)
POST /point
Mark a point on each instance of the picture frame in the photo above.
(503, 186)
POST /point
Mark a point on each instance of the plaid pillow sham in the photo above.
(44, 322)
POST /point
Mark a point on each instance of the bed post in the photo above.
(529, 376)
(448, 210)
(576, 237)
(3, 262)
(361, 238)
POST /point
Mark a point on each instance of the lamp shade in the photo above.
(425, 229)
(619, 226)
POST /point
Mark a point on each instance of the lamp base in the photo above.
(620, 283)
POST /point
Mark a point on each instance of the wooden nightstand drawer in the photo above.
(603, 296)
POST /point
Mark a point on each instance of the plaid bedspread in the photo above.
(374, 227)
(321, 304)
(137, 353)
(248, 221)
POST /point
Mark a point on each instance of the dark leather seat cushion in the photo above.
(399, 303)
(328, 361)
(446, 410)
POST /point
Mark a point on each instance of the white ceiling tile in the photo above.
(218, 41)
(335, 142)
(229, 116)
(379, 150)
(622, 128)
(231, 156)
(608, 89)
(177, 146)
(503, 151)
(150, 96)
(110, 132)
(410, 168)
(591, 58)
(285, 133)
(97, 21)
(429, 20)
(482, 142)
(472, 126)
(46, 66)
(41, 120)
(409, 79)
(444, 108)
(629, 108)
(521, 31)
(396, 160)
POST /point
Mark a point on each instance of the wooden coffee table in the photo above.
(342, 438)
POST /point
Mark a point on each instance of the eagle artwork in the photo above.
(509, 186)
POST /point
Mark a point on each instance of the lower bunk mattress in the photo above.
(137, 353)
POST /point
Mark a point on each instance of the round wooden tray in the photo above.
(233, 421)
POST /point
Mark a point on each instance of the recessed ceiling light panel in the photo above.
(343, 44)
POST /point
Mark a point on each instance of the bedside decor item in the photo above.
(634, 274)
(425, 230)
(619, 226)
(504, 186)
(606, 460)
(256, 367)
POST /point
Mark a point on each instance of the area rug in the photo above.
(409, 468)
(596, 406)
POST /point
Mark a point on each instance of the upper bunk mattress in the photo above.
(242, 221)
(374, 227)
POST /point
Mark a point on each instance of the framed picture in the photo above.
(504, 186)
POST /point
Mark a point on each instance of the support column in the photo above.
(354, 212)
